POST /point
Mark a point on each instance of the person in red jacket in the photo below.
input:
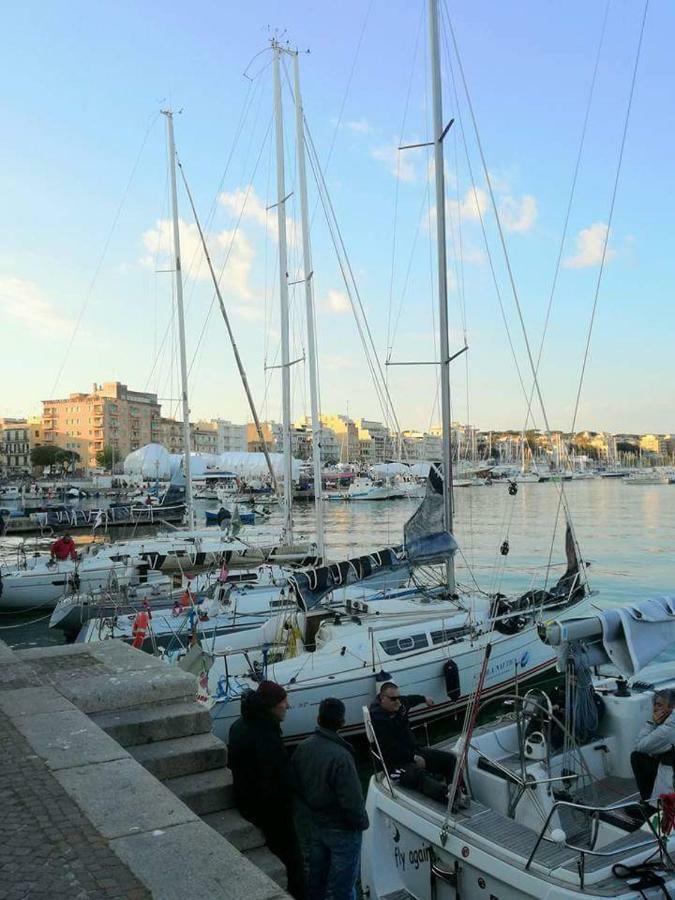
(64, 548)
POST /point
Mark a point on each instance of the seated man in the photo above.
(400, 751)
(655, 743)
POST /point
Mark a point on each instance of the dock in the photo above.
(113, 785)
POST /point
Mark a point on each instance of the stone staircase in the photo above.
(174, 742)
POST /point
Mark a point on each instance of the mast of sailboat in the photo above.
(181, 319)
(309, 305)
(283, 298)
(438, 135)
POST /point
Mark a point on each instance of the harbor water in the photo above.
(625, 532)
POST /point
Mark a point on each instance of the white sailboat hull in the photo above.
(39, 586)
(312, 676)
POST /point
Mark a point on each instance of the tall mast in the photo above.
(283, 298)
(309, 306)
(437, 100)
(181, 320)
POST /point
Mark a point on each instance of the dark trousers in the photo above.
(436, 762)
(282, 839)
(645, 768)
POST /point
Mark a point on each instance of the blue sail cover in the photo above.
(426, 538)
(311, 586)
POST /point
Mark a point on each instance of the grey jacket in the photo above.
(657, 739)
(327, 783)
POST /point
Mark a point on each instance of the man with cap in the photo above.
(329, 791)
(261, 776)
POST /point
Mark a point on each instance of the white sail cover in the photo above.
(627, 637)
(420, 469)
(392, 468)
(254, 465)
(151, 461)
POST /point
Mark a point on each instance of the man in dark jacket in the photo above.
(401, 752)
(329, 790)
(261, 775)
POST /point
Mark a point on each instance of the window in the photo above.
(448, 634)
(393, 646)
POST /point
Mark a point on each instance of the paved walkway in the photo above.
(47, 846)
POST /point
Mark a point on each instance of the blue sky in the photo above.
(82, 88)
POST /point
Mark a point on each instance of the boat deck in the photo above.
(518, 840)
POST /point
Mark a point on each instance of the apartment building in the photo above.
(111, 415)
(15, 446)
(232, 438)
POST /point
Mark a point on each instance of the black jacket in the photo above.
(396, 740)
(260, 766)
(327, 783)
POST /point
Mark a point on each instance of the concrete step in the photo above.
(206, 792)
(241, 833)
(270, 864)
(181, 756)
(159, 722)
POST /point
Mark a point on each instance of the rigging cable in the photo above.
(606, 240)
(101, 258)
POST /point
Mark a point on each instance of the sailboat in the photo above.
(429, 639)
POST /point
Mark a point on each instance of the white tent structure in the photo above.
(149, 462)
(387, 469)
(253, 465)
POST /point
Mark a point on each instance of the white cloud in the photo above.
(398, 162)
(336, 301)
(158, 242)
(245, 202)
(25, 301)
(361, 126)
(518, 214)
(589, 246)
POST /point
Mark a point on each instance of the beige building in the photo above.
(253, 443)
(346, 434)
(15, 447)
(374, 441)
(204, 437)
(171, 434)
(110, 416)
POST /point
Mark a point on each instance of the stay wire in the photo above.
(609, 226)
(568, 211)
(507, 260)
(397, 184)
(104, 252)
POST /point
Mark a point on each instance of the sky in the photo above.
(85, 295)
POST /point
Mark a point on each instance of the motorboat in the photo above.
(553, 806)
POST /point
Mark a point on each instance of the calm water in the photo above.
(626, 533)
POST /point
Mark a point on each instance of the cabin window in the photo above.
(393, 646)
(448, 634)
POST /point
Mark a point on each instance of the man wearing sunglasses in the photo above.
(402, 755)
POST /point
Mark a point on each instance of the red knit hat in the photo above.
(271, 693)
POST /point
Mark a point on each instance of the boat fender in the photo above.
(451, 676)
(513, 488)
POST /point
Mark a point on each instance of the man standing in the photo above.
(328, 787)
(64, 548)
(655, 743)
(401, 752)
(262, 777)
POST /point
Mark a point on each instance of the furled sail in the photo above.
(426, 538)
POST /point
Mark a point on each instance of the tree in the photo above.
(50, 455)
(105, 458)
(45, 456)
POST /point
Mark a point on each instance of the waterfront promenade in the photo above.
(81, 817)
